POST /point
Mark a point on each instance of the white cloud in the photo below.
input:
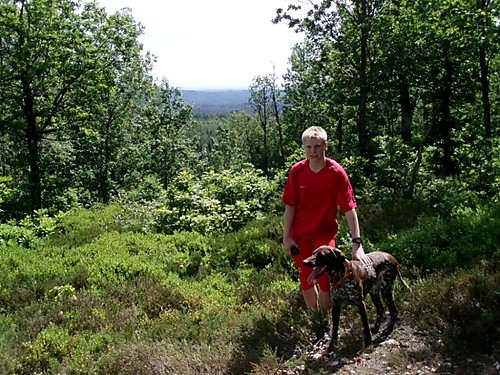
(212, 43)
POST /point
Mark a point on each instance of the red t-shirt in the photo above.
(316, 197)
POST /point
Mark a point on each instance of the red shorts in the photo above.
(306, 247)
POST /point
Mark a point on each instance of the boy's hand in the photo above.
(359, 254)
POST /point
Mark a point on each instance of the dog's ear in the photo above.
(330, 255)
(339, 256)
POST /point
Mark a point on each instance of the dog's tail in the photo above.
(402, 281)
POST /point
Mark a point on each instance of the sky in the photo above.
(212, 44)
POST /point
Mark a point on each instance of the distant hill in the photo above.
(217, 101)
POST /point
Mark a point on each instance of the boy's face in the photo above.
(315, 148)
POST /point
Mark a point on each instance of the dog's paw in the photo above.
(388, 330)
(368, 340)
(332, 346)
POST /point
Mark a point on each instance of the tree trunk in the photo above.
(263, 123)
(274, 98)
(406, 110)
(416, 166)
(485, 90)
(32, 138)
(363, 87)
(448, 164)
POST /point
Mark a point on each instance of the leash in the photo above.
(343, 279)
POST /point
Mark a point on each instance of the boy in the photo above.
(315, 188)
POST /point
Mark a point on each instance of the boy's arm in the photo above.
(358, 252)
(288, 241)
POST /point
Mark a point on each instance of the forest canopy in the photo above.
(405, 90)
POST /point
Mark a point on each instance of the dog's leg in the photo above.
(335, 324)
(388, 297)
(380, 311)
(366, 326)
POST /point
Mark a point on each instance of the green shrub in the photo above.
(436, 244)
(82, 304)
(14, 202)
(29, 231)
(48, 350)
(462, 307)
(216, 202)
(378, 220)
(103, 297)
(80, 226)
(258, 244)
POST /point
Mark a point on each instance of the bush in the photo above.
(14, 202)
(103, 297)
(80, 226)
(258, 244)
(216, 201)
(462, 307)
(30, 230)
(436, 244)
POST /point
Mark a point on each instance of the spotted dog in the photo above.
(351, 281)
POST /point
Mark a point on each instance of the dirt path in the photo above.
(407, 351)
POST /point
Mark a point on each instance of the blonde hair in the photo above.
(315, 132)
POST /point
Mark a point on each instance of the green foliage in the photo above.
(101, 291)
(30, 230)
(78, 74)
(436, 243)
(225, 141)
(385, 218)
(141, 299)
(268, 148)
(256, 245)
(216, 201)
(462, 307)
(55, 349)
(80, 226)
(104, 298)
(419, 108)
(5, 191)
(168, 148)
(12, 200)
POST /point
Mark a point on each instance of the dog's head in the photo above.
(323, 259)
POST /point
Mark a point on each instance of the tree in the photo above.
(227, 141)
(260, 102)
(486, 24)
(167, 120)
(370, 64)
(276, 102)
(265, 101)
(316, 93)
(54, 53)
(343, 27)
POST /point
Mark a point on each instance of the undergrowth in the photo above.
(95, 297)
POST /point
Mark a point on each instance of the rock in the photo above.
(390, 342)
(317, 356)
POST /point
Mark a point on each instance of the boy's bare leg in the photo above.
(311, 297)
(325, 302)
(315, 296)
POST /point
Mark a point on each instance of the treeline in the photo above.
(405, 89)
(216, 102)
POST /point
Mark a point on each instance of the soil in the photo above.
(407, 351)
